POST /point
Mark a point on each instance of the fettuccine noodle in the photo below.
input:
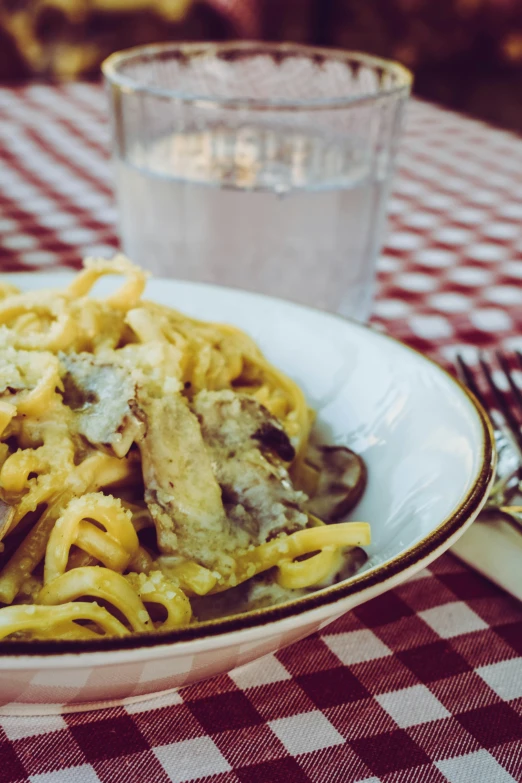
(136, 445)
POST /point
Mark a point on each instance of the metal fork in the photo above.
(508, 433)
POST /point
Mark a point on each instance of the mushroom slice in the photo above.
(248, 449)
(341, 481)
(233, 420)
(101, 397)
(181, 491)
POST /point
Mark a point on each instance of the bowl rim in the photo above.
(423, 550)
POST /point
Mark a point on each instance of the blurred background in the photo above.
(466, 54)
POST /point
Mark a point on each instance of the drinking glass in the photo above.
(260, 166)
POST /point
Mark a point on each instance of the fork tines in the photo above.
(506, 396)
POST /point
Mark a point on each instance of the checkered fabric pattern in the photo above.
(421, 685)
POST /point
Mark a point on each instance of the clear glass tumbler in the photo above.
(260, 166)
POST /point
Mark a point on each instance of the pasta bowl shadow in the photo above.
(429, 451)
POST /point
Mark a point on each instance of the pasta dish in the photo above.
(152, 467)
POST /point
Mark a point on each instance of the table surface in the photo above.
(421, 684)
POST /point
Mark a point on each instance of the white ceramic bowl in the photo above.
(430, 456)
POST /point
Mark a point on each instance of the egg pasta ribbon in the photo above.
(148, 460)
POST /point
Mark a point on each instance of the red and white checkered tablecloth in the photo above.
(422, 685)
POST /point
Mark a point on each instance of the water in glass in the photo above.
(278, 211)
